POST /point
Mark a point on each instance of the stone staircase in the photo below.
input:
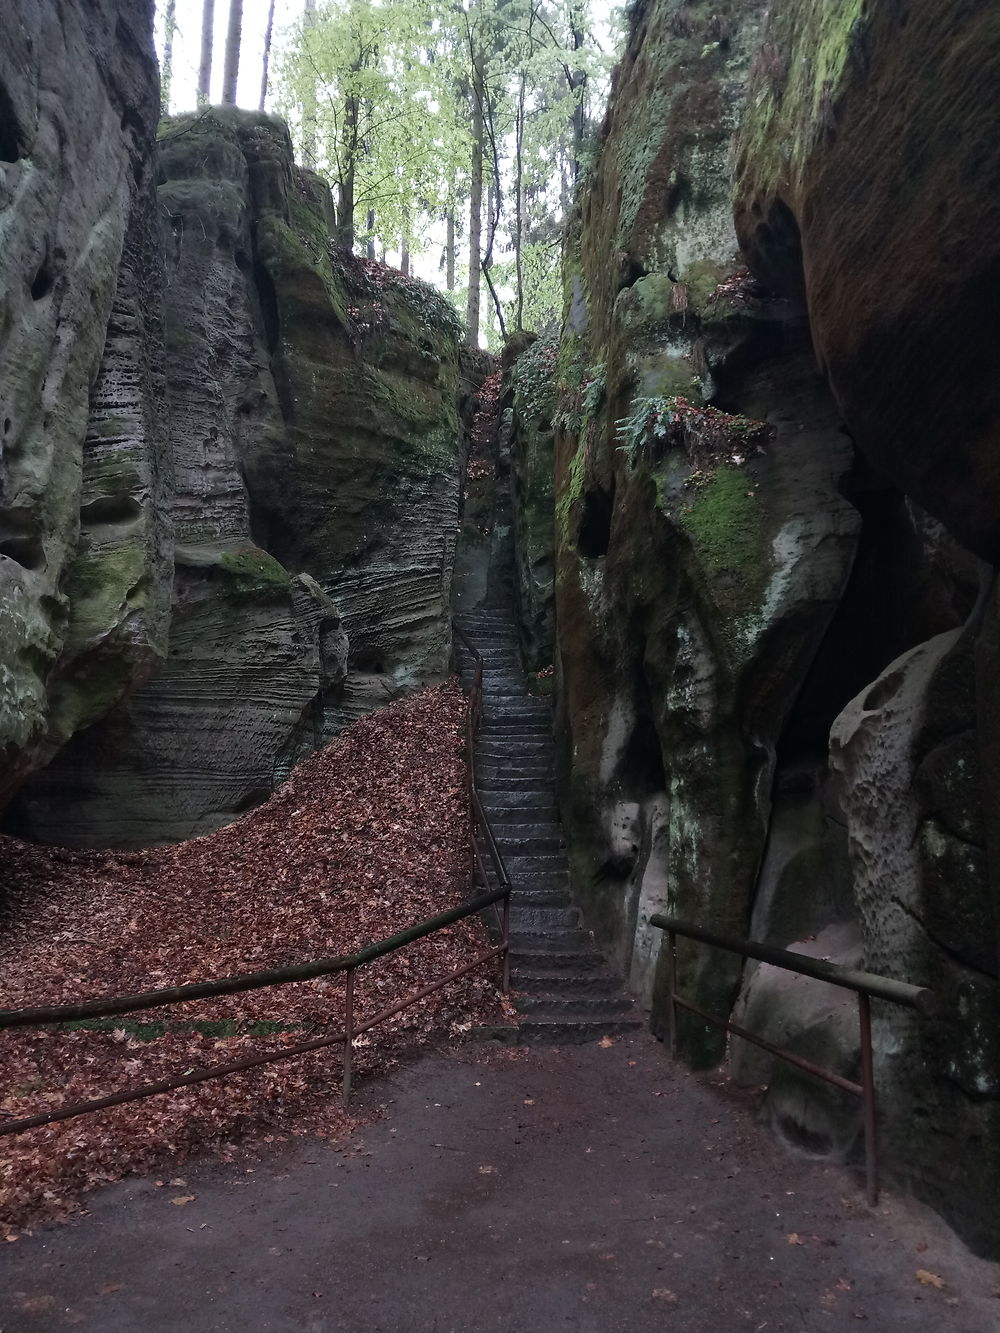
(560, 983)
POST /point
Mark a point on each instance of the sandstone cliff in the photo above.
(769, 503)
(250, 460)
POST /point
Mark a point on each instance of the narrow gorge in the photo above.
(745, 501)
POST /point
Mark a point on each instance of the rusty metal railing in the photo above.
(477, 815)
(46, 1015)
(866, 985)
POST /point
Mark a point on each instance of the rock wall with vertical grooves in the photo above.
(267, 468)
(776, 444)
(84, 537)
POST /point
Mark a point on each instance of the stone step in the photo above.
(516, 800)
(586, 1006)
(539, 1030)
(569, 939)
(529, 745)
(535, 844)
(534, 896)
(490, 765)
(547, 955)
(552, 882)
(522, 784)
(525, 917)
(551, 863)
(562, 981)
(501, 735)
(528, 809)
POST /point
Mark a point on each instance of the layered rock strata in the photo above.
(305, 494)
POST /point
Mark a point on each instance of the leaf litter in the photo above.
(367, 837)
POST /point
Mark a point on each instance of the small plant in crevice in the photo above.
(740, 288)
(707, 435)
(771, 67)
(582, 400)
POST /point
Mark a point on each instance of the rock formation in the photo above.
(268, 467)
(84, 542)
(775, 443)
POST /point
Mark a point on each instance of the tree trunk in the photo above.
(449, 244)
(519, 204)
(309, 101)
(231, 69)
(578, 84)
(167, 69)
(345, 220)
(370, 248)
(404, 256)
(205, 64)
(475, 204)
(267, 55)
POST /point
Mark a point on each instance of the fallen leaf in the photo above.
(183, 1198)
(606, 1042)
(929, 1279)
(795, 1239)
(665, 1294)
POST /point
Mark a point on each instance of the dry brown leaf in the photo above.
(795, 1239)
(264, 891)
(606, 1042)
(927, 1279)
(183, 1198)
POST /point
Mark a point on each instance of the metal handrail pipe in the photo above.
(235, 985)
(496, 856)
(865, 983)
(345, 1038)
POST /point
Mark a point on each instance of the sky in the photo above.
(187, 47)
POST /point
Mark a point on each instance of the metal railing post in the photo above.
(506, 942)
(348, 1035)
(672, 986)
(868, 1087)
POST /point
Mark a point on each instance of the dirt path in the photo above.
(588, 1189)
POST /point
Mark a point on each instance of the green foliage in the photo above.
(707, 435)
(534, 377)
(380, 97)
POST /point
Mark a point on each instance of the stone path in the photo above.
(562, 989)
(587, 1189)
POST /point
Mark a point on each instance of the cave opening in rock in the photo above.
(594, 536)
(42, 282)
(10, 130)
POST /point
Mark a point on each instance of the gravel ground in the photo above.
(590, 1189)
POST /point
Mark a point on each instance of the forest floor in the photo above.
(596, 1189)
(367, 837)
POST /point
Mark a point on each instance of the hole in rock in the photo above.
(25, 548)
(110, 509)
(43, 282)
(10, 130)
(369, 660)
(595, 526)
(7, 423)
(631, 273)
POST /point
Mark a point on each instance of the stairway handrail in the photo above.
(866, 985)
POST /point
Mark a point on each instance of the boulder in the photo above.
(84, 537)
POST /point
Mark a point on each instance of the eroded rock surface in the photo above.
(733, 583)
(866, 175)
(309, 484)
(84, 537)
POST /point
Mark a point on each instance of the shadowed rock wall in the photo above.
(777, 650)
(289, 468)
(84, 536)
